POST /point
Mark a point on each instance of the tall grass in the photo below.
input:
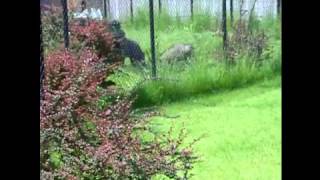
(176, 83)
(202, 21)
(204, 73)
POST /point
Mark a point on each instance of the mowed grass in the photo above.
(237, 109)
(242, 131)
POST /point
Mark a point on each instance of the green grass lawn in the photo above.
(241, 122)
(242, 131)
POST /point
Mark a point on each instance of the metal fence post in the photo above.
(65, 23)
(108, 7)
(131, 11)
(224, 23)
(279, 8)
(231, 11)
(191, 8)
(153, 53)
(41, 59)
(105, 8)
(160, 6)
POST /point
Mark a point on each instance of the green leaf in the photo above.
(55, 159)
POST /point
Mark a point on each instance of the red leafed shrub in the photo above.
(52, 27)
(96, 36)
(93, 34)
(79, 140)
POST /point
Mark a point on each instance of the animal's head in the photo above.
(187, 48)
(115, 25)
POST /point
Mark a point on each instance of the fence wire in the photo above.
(121, 9)
(182, 8)
(128, 10)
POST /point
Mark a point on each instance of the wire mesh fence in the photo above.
(122, 9)
(183, 8)
(126, 11)
(157, 51)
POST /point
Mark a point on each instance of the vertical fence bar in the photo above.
(131, 10)
(231, 11)
(41, 59)
(153, 52)
(191, 8)
(241, 2)
(105, 9)
(83, 5)
(278, 8)
(224, 23)
(160, 6)
(65, 23)
(108, 8)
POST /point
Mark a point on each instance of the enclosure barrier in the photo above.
(41, 59)
(116, 9)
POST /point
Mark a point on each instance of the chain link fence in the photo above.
(128, 10)
(121, 9)
(182, 8)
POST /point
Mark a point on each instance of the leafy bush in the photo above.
(93, 34)
(52, 27)
(246, 42)
(79, 140)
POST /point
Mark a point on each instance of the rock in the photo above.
(177, 52)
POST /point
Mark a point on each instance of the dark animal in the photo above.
(116, 29)
(128, 47)
(132, 50)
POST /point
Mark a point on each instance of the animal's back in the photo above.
(132, 49)
(177, 52)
